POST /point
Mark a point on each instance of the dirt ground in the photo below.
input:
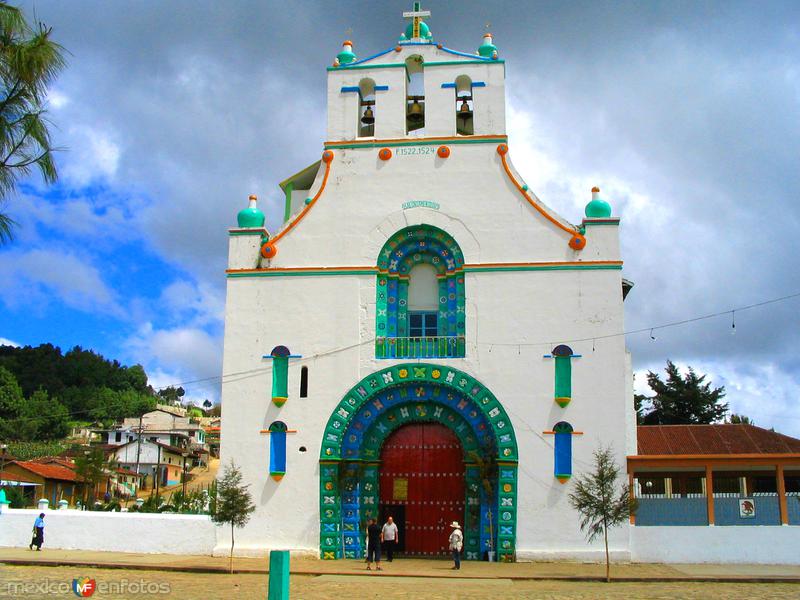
(56, 582)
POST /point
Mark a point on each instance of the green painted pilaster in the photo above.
(330, 538)
(287, 210)
(506, 512)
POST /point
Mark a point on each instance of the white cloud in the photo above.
(8, 342)
(38, 277)
(93, 154)
(759, 390)
(178, 355)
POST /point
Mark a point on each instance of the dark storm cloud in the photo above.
(688, 111)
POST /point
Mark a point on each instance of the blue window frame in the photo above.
(422, 324)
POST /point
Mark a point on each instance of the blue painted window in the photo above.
(422, 324)
(277, 449)
(563, 450)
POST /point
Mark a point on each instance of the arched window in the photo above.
(304, 382)
(277, 450)
(366, 108)
(563, 451)
(415, 97)
(420, 295)
(563, 374)
(280, 374)
(464, 106)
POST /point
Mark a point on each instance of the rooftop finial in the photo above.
(418, 29)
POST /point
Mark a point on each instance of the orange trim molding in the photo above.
(327, 158)
(577, 241)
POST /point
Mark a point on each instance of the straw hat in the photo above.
(455, 525)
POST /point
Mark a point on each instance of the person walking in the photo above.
(456, 542)
(374, 544)
(38, 533)
(390, 537)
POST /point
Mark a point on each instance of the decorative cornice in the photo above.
(429, 141)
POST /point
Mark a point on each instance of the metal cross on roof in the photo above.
(416, 15)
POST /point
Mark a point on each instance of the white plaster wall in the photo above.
(752, 544)
(112, 531)
(513, 318)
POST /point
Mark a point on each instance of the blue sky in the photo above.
(685, 114)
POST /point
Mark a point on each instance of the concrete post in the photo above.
(278, 575)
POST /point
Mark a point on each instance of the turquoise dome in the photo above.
(250, 216)
(597, 208)
(346, 56)
(424, 30)
(487, 48)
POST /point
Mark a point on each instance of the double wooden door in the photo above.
(422, 486)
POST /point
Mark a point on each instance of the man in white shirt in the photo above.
(456, 542)
(390, 537)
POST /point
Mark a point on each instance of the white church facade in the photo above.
(422, 337)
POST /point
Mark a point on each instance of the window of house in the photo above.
(118, 436)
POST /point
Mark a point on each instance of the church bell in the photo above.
(415, 113)
(464, 113)
(369, 116)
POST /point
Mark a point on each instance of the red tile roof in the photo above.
(712, 439)
(5, 476)
(49, 471)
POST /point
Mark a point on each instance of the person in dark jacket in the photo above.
(38, 533)
(374, 536)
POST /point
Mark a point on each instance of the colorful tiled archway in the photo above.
(400, 254)
(407, 393)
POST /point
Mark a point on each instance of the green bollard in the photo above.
(278, 575)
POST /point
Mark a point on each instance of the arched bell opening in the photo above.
(465, 110)
(415, 95)
(366, 108)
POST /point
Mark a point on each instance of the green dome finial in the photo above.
(251, 217)
(417, 28)
(487, 49)
(346, 56)
(597, 208)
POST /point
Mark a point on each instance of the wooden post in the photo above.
(278, 575)
(710, 494)
(632, 489)
(782, 494)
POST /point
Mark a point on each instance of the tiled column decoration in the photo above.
(507, 511)
(352, 532)
(472, 513)
(330, 542)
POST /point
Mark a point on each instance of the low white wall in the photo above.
(743, 544)
(148, 533)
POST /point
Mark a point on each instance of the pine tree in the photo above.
(234, 503)
(29, 62)
(683, 400)
(599, 501)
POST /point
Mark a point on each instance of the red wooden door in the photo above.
(422, 478)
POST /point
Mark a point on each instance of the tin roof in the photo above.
(712, 439)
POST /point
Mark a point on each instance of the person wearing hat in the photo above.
(456, 542)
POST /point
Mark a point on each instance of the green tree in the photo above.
(601, 502)
(91, 467)
(740, 420)
(29, 61)
(172, 395)
(234, 504)
(11, 399)
(682, 400)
